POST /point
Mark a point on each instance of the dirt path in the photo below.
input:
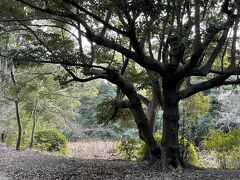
(34, 165)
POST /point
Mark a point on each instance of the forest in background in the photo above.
(164, 72)
(85, 113)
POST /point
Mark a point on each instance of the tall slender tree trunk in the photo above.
(153, 111)
(16, 102)
(34, 124)
(154, 105)
(169, 142)
(19, 125)
(152, 118)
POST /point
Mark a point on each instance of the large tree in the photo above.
(173, 42)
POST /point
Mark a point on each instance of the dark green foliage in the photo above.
(111, 131)
(107, 131)
(96, 113)
(87, 112)
(51, 140)
(88, 108)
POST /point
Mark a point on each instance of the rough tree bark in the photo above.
(170, 124)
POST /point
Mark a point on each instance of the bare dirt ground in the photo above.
(38, 166)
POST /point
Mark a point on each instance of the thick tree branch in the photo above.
(146, 62)
(232, 82)
(214, 82)
(235, 71)
(207, 67)
(194, 60)
(108, 16)
(123, 104)
(141, 58)
(143, 99)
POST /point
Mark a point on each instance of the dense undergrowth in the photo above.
(132, 148)
(51, 140)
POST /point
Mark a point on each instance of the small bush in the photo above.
(51, 140)
(134, 149)
(227, 146)
(11, 140)
(130, 148)
(188, 152)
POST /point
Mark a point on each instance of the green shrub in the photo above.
(134, 149)
(227, 147)
(130, 148)
(51, 140)
(11, 140)
(188, 152)
(234, 158)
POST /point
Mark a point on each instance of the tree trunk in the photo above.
(154, 105)
(152, 110)
(34, 124)
(169, 141)
(19, 126)
(3, 136)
